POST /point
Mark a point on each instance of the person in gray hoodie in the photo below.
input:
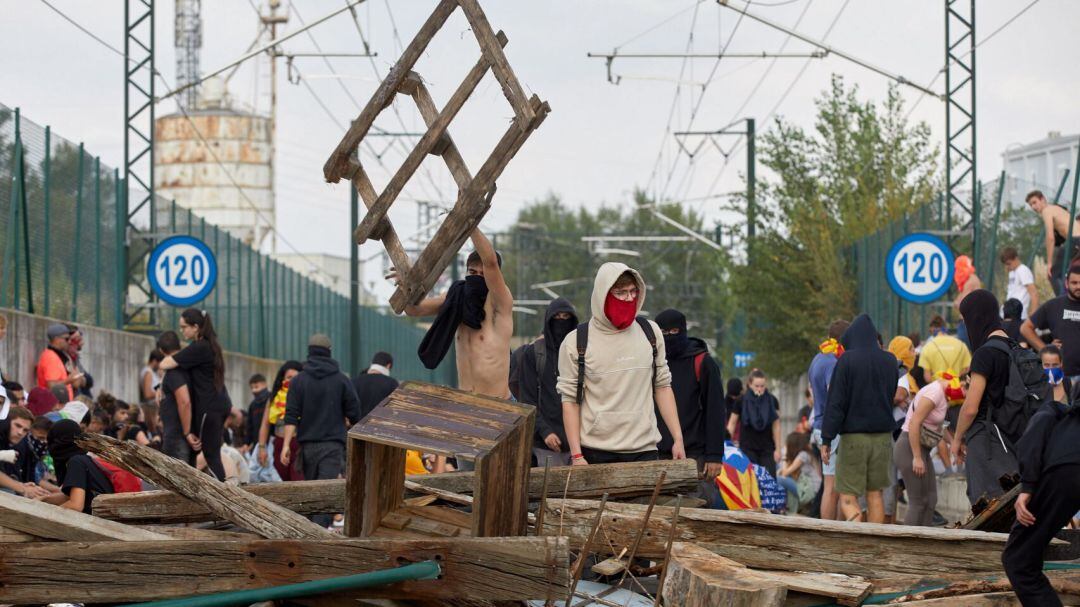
(860, 409)
(622, 366)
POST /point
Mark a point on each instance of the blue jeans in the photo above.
(792, 488)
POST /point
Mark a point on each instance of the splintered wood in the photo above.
(474, 191)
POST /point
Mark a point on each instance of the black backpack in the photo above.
(1025, 391)
(583, 342)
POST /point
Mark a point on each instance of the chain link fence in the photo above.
(64, 251)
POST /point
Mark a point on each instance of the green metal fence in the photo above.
(63, 254)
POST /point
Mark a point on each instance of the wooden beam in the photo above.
(999, 515)
(767, 541)
(377, 212)
(53, 522)
(846, 590)
(337, 165)
(381, 489)
(501, 496)
(990, 599)
(697, 577)
(227, 502)
(492, 49)
(328, 496)
(111, 572)
(11, 536)
(472, 203)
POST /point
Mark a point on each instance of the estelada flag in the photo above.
(737, 481)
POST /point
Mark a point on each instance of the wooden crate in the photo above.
(494, 433)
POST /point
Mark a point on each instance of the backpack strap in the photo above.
(700, 358)
(582, 344)
(651, 336)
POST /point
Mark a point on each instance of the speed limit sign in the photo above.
(182, 270)
(919, 267)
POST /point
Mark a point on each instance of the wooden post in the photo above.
(698, 578)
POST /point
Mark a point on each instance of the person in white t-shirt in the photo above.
(1021, 282)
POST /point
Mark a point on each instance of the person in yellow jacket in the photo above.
(274, 417)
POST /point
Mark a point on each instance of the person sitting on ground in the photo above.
(17, 476)
(804, 415)
(614, 376)
(81, 479)
(758, 418)
(859, 410)
(923, 423)
(801, 473)
(535, 373)
(99, 421)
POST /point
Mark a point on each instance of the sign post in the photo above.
(919, 267)
(182, 270)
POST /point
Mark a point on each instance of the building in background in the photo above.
(1039, 166)
(200, 163)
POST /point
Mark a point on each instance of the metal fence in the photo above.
(64, 251)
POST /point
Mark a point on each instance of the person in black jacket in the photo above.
(260, 395)
(535, 371)
(699, 395)
(375, 384)
(1048, 455)
(756, 416)
(860, 410)
(320, 398)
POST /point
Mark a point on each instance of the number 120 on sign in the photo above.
(919, 267)
(182, 270)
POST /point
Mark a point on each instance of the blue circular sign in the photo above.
(182, 270)
(919, 267)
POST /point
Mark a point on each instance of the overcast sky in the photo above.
(601, 140)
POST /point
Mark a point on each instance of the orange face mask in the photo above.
(963, 270)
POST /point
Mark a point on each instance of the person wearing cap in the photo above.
(320, 398)
(53, 365)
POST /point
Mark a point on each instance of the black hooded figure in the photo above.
(990, 454)
(534, 371)
(859, 410)
(74, 468)
(699, 393)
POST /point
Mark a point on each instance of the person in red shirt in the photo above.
(53, 363)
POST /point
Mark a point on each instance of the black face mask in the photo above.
(476, 291)
(676, 344)
(560, 329)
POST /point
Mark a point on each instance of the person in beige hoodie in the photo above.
(615, 420)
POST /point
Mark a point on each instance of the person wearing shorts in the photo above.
(863, 466)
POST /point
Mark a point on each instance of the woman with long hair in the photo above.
(274, 417)
(204, 362)
(801, 472)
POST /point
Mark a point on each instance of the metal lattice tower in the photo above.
(188, 42)
(960, 160)
(139, 73)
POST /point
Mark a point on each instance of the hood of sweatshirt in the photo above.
(605, 279)
(861, 334)
(557, 305)
(320, 366)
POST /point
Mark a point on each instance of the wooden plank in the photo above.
(111, 572)
(389, 236)
(150, 507)
(767, 541)
(447, 148)
(697, 577)
(227, 502)
(998, 516)
(11, 536)
(194, 533)
(496, 406)
(493, 51)
(500, 498)
(338, 164)
(53, 522)
(380, 490)
(328, 496)
(468, 211)
(431, 137)
(991, 599)
(845, 589)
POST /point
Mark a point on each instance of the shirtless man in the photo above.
(1056, 220)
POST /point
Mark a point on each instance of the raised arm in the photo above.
(429, 306)
(1048, 223)
(502, 300)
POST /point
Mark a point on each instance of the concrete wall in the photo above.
(113, 358)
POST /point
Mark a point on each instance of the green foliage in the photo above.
(545, 244)
(860, 167)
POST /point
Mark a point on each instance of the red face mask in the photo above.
(620, 313)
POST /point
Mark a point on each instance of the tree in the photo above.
(860, 167)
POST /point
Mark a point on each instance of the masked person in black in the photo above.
(699, 395)
(757, 417)
(534, 374)
(81, 479)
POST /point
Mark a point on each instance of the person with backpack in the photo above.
(699, 395)
(1006, 387)
(1048, 455)
(534, 374)
(612, 369)
(758, 418)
